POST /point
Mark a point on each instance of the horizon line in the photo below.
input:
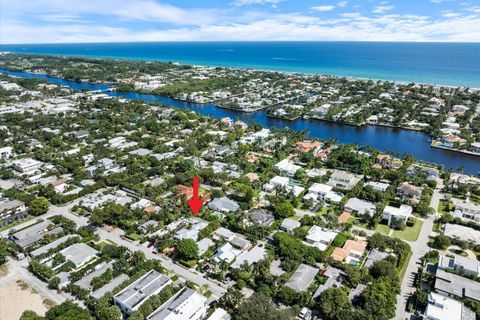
(247, 41)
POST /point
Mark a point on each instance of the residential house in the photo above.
(475, 147)
(6, 152)
(318, 192)
(288, 225)
(452, 285)
(409, 192)
(343, 180)
(226, 253)
(460, 264)
(462, 233)
(374, 256)
(387, 162)
(397, 215)
(28, 236)
(260, 217)
(27, 165)
(252, 256)
(139, 291)
(79, 254)
(360, 207)
(351, 252)
(335, 279)
(302, 278)
(429, 172)
(287, 167)
(377, 186)
(223, 205)
(204, 245)
(150, 224)
(279, 182)
(11, 211)
(185, 304)
(440, 307)
(319, 237)
(52, 245)
(466, 210)
(307, 146)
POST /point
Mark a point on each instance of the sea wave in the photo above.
(285, 59)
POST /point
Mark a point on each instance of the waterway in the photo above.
(401, 141)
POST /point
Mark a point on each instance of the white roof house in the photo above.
(27, 165)
(377, 186)
(223, 205)
(401, 214)
(466, 210)
(320, 238)
(318, 191)
(132, 297)
(6, 152)
(289, 224)
(79, 254)
(185, 304)
(343, 180)
(283, 182)
(443, 308)
(204, 245)
(462, 232)
(256, 254)
(360, 207)
(226, 253)
(458, 263)
(287, 166)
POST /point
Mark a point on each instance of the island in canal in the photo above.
(450, 115)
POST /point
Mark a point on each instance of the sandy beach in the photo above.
(16, 297)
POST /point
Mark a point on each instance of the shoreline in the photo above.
(254, 68)
(435, 145)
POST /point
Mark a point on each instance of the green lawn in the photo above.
(133, 236)
(323, 211)
(382, 228)
(351, 219)
(403, 269)
(410, 233)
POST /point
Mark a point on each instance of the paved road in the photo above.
(217, 288)
(419, 249)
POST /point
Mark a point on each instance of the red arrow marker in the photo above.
(195, 203)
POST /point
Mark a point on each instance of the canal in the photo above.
(401, 141)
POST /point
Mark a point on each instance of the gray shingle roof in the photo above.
(457, 285)
(302, 278)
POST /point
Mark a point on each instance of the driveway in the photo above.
(419, 249)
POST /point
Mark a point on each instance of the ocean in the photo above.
(452, 64)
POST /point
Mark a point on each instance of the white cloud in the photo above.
(146, 20)
(475, 9)
(250, 2)
(342, 4)
(323, 8)
(382, 9)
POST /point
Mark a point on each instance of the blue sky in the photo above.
(60, 21)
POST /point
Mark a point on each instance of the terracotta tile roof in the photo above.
(341, 254)
(149, 209)
(344, 217)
